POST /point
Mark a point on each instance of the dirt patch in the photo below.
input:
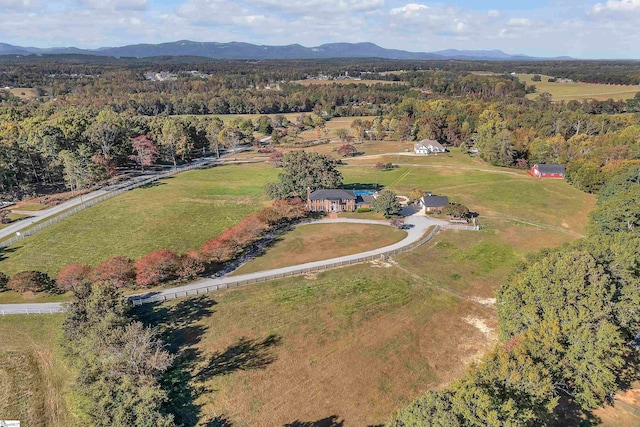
(483, 327)
(381, 263)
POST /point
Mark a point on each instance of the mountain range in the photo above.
(238, 50)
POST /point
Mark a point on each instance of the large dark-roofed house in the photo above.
(336, 200)
(430, 203)
(548, 171)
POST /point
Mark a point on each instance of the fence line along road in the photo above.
(238, 283)
(49, 222)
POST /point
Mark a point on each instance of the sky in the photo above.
(578, 28)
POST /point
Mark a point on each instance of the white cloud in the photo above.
(17, 4)
(315, 6)
(409, 11)
(519, 22)
(116, 4)
(617, 6)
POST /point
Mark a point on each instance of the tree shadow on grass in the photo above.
(178, 328)
(332, 421)
(5, 251)
(245, 354)
(184, 382)
(569, 414)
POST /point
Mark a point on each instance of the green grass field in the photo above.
(183, 212)
(180, 213)
(316, 242)
(35, 383)
(578, 91)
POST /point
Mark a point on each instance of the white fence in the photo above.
(136, 300)
(47, 223)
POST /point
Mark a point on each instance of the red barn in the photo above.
(548, 171)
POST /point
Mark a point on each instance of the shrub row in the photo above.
(162, 265)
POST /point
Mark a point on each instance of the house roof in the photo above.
(550, 168)
(425, 143)
(333, 194)
(434, 201)
(367, 199)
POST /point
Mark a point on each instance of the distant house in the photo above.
(337, 200)
(431, 203)
(428, 146)
(548, 171)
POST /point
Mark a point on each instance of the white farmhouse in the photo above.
(428, 146)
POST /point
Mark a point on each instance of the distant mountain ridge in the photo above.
(239, 50)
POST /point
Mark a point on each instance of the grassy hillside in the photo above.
(36, 383)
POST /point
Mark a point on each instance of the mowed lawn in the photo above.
(35, 383)
(354, 344)
(492, 192)
(179, 213)
(579, 91)
(315, 242)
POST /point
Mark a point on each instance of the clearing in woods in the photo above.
(578, 91)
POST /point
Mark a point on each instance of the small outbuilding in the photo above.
(428, 146)
(548, 171)
(431, 203)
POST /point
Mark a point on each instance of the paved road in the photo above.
(418, 223)
(36, 216)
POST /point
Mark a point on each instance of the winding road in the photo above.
(418, 225)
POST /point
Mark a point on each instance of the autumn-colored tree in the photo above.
(270, 216)
(157, 267)
(71, 276)
(347, 150)
(219, 249)
(416, 194)
(290, 209)
(192, 264)
(30, 281)
(146, 151)
(247, 230)
(276, 158)
(119, 271)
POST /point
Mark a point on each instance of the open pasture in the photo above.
(179, 213)
(578, 91)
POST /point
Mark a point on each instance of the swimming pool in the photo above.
(363, 192)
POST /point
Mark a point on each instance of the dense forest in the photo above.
(81, 127)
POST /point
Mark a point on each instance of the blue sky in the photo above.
(583, 29)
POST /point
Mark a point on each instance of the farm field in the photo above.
(367, 82)
(26, 93)
(578, 91)
(180, 213)
(36, 384)
(316, 242)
